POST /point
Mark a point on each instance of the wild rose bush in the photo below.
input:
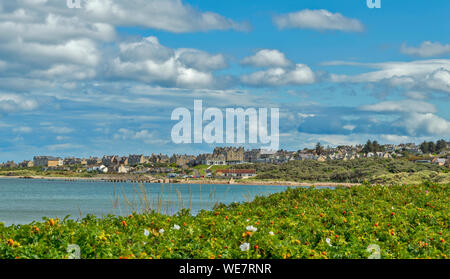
(409, 221)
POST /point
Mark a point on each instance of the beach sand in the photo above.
(186, 181)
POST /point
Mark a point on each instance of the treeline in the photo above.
(372, 146)
(356, 171)
(431, 147)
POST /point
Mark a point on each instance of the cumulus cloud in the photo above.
(280, 71)
(142, 135)
(427, 49)
(51, 28)
(439, 80)
(388, 70)
(39, 43)
(201, 60)
(423, 74)
(45, 40)
(416, 117)
(149, 61)
(267, 58)
(396, 139)
(298, 75)
(63, 146)
(15, 102)
(427, 123)
(401, 106)
(169, 15)
(416, 95)
(318, 20)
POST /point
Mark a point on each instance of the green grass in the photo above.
(202, 168)
(409, 221)
(30, 172)
(372, 170)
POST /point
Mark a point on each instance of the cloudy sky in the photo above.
(104, 79)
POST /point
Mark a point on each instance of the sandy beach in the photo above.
(186, 181)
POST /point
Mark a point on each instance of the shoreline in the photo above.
(242, 182)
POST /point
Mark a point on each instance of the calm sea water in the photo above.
(25, 200)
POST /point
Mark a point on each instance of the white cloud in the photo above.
(151, 62)
(45, 40)
(401, 106)
(439, 80)
(63, 146)
(427, 49)
(349, 127)
(168, 15)
(80, 52)
(51, 28)
(142, 135)
(299, 75)
(423, 74)
(59, 138)
(201, 60)
(15, 102)
(416, 95)
(416, 117)
(427, 123)
(395, 139)
(388, 70)
(40, 43)
(267, 58)
(336, 140)
(318, 20)
(22, 130)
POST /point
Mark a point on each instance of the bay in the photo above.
(25, 200)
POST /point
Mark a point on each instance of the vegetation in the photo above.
(393, 222)
(371, 170)
(431, 147)
(372, 147)
(38, 171)
(319, 149)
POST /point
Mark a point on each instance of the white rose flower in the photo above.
(251, 229)
(244, 247)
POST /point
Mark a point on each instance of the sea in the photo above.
(23, 201)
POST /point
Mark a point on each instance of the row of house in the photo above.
(219, 156)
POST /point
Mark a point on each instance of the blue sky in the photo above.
(105, 78)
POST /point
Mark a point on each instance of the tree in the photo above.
(367, 147)
(375, 146)
(441, 145)
(431, 147)
(319, 149)
(424, 147)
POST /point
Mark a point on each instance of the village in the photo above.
(223, 161)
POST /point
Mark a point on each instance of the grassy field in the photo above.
(37, 172)
(409, 221)
(371, 170)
